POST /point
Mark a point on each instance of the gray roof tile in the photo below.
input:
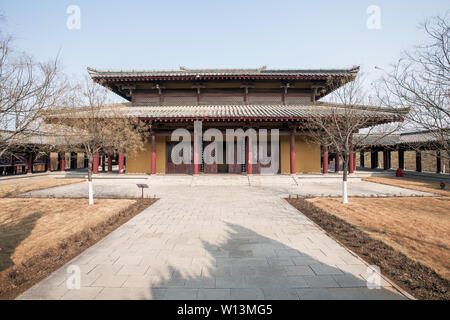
(220, 72)
(246, 111)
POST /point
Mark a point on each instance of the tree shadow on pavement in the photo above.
(247, 265)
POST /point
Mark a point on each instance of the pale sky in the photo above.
(217, 34)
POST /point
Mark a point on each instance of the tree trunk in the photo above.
(344, 179)
(91, 189)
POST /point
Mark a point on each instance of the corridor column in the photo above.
(325, 159)
(30, 162)
(103, 163)
(95, 164)
(401, 159)
(197, 148)
(418, 161)
(120, 162)
(351, 160)
(62, 162)
(249, 155)
(374, 159)
(47, 163)
(336, 163)
(438, 161)
(386, 160)
(154, 156)
(109, 162)
(292, 149)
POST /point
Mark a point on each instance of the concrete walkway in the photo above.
(218, 237)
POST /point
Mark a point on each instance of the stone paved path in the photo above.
(218, 238)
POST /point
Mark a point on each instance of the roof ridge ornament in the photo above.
(264, 67)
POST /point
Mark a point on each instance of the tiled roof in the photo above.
(221, 72)
(422, 136)
(419, 137)
(32, 138)
(376, 139)
(243, 111)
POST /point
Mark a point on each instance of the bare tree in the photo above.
(338, 120)
(421, 80)
(27, 90)
(96, 127)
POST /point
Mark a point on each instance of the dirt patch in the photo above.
(26, 271)
(417, 279)
(414, 184)
(15, 187)
(418, 227)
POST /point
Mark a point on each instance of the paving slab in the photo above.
(218, 237)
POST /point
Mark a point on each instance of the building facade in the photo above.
(228, 99)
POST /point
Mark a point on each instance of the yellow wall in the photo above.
(307, 155)
(160, 154)
(285, 158)
(140, 162)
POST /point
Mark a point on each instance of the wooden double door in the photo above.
(171, 167)
(233, 167)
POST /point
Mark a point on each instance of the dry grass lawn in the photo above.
(30, 226)
(38, 236)
(414, 184)
(15, 187)
(418, 227)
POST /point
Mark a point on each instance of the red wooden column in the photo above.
(197, 148)
(351, 161)
(109, 162)
(354, 161)
(47, 163)
(62, 161)
(292, 147)
(325, 159)
(30, 162)
(95, 164)
(154, 156)
(249, 155)
(351, 157)
(120, 162)
(15, 168)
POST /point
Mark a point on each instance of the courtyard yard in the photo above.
(400, 234)
(210, 220)
(414, 184)
(417, 227)
(11, 188)
(39, 235)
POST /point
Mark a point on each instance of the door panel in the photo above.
(177, 168)
(208, 168)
